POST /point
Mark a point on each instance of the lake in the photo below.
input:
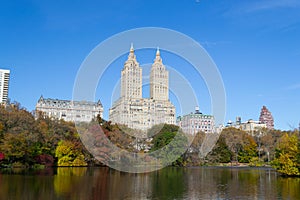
(168, 183)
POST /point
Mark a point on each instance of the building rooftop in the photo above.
(59, 101)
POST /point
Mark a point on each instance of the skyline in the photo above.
(254, 44)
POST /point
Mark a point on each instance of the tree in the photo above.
(298, 155)
(162, 139)
(286, 161)
(28, 141)
(44, 159)
(1, 130)
(220, 153)
(69, 155)
(234, 140)
(2, 156)
(14, 146)
(172, 144)
(249, 150)
(268, 141)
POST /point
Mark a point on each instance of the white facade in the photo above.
(4, 84)
(142, 113)
(131, 78)
(159, 80)
(251, 126)
(196, 122)
(79, 111)
(248, 126)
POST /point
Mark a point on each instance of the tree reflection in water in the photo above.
(168, 183)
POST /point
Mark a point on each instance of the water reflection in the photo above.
(228, 183)
(68, 178)
(168, 183)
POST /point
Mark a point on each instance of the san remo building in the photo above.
(131, 108)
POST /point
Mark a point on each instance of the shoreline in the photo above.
(102, 166)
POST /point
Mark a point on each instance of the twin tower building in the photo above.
(131, 108)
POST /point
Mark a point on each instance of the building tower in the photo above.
(4, 83)
(159, 80)
(136, 112)
(266, 117)
(131, 77)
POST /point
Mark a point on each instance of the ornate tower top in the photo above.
(131, 55)
(131, 48)
(157, 57)
(157, 52)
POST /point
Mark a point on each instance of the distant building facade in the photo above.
(266, 117)
(249, 126)
(195, 122)
(4, 85)
(78, 111)
(131, 108)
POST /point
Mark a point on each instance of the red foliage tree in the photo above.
(2, 156)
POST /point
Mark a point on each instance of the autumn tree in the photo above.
(27, 140)
(249, 149)
(234, 140)
(69, 155)
(287, 156)
(268, 141)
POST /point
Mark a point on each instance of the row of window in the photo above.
(198, 127)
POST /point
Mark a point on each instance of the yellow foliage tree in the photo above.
(69, 155)
(286, 161)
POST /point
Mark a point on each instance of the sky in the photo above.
(255, 45)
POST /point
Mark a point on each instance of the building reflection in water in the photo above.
(168, 183)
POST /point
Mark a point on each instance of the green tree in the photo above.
(220, 153)
(172, 143)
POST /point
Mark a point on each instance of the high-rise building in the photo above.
(266, 117)
(4, 84)
(131, 78)
(78, 111)
(131, 108)
(159, 80)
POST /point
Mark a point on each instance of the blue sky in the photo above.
(255, 45)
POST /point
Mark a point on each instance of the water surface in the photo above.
(168, 183)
